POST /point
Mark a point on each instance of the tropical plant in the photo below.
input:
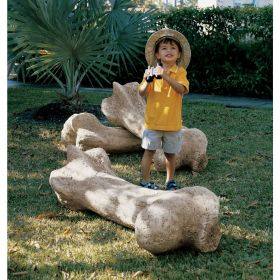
(67, 40)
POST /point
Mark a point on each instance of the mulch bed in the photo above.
(59, 112)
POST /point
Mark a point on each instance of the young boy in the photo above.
(170, 50)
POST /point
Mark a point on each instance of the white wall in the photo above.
(232, 3)
(262, 3)
(206, 3)
(225, 3)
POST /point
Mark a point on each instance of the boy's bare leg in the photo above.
(146, 165)
(170, 160)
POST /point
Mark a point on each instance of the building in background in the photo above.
(233, 3)
(206, 3)
(165, 5)
(177, 3)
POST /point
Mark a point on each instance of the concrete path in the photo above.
(231, 101)
(228, 101)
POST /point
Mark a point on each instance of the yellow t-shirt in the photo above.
(164, 105)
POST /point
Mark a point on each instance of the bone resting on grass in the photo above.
(86, 132)
(125, 110)
(163, 220)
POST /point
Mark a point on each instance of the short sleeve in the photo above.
(181, 78)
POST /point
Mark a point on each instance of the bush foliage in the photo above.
(231, 49)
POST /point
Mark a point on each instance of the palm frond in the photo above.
(131, 39)
(77, 37)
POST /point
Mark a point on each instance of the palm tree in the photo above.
(68, 39)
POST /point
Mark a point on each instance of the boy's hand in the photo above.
(148, 72)
(158, 70)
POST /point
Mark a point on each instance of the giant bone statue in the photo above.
(125, 108)
(193, 152)
(163, 220)
(86, 132)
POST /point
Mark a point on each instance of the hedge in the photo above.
(231, 50)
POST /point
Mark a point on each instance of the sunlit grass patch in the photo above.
(47, 133)
(242, 233)
(14, 174)
(47, 241)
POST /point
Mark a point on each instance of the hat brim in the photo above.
(170, 33)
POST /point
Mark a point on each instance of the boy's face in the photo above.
(168, 53)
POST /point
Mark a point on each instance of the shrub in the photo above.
(231, 49)
(70, 40)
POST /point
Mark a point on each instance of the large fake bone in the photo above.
(193, 152)
(163, 220)
(87, 132)
(126, 108)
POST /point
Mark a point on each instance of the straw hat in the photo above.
(185, 58)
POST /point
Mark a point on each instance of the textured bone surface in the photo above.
(125, 108)
(193, 153)
(163, 220)
(87, 132)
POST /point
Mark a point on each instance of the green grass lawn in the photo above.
(47, 241)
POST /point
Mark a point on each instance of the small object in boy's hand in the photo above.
(151, 76)
(149, 79)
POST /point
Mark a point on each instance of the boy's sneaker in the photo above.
(171, 185)
(149, 185)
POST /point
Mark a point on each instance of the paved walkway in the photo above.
(228, 101)
(231, 101)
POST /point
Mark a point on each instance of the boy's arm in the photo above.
(178, 87)
(143, 87)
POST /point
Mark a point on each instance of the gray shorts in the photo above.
(169, 141)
